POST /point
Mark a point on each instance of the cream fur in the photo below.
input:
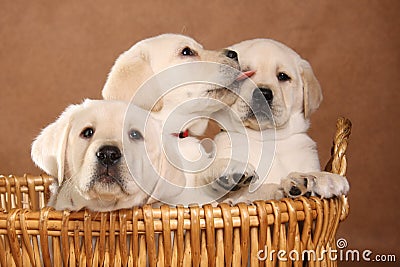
(269, 148)
(139, 75)
(61, 151)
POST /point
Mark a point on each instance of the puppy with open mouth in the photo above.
(269, 122)
(105, 156)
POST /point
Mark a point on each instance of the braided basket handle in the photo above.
(338, 162)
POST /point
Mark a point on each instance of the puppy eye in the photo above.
(283, 77)
(135, 135)
(87, 133)
(188, 52)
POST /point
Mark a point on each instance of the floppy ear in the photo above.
(312, 92)
(48, 149)
(130, 71)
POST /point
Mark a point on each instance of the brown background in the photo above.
(52, 55)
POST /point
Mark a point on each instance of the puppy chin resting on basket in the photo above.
(83, 150)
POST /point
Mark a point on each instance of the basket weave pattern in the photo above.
(34, 235)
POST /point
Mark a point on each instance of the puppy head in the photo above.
(94, 162)
(84, 150)
(153, 55)
(283, 84)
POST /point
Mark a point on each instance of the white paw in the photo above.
(237, 176)
(298, 184)
(329, 185)
(323, 184)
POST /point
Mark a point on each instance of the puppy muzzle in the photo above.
(108, 167)
(261, 103)
(108, 155)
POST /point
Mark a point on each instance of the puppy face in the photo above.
(84, 150)
(153, 55)
(94, 160)
(284, 84)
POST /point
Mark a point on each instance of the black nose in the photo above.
(263, 93)
(108, 155)
(294, 191)
(231, 54)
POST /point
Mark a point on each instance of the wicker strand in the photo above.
(15, 248)
(195, 234)
(64, 237)
(3, 252)
(43, 223)
(135, 236)
(150, 238)
(87, 223)
(262, 215)
(25, 237)
(244, 232)
(123, 240)
(180, 235)
(338, 162)
(277, 224)
(166, 235)
(33, 199)
(253, 260)
(237, 253)
(18, 195)
(8, 193)
(228, 233)
(291, 227)
(210, 234)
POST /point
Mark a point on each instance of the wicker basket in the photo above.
(34, 235)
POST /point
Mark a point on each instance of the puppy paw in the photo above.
(328, 184)
(236, 178)
(234, 181)
(298, 184)
(323, 184)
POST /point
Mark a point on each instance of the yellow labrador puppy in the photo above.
(182, 84)
(87, 149)
(269, 123)
(167, 56)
